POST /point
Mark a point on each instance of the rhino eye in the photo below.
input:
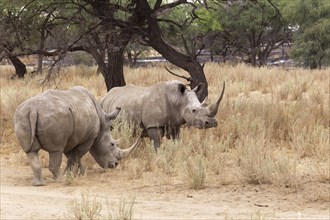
(182, 88)
(194, 110)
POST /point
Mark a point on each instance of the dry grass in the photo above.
(195, 172)
(271, 122)
(85, 209)
(94, 208)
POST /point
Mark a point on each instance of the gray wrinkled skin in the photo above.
(161, 109)
(69, 122)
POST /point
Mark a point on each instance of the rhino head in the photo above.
(105, 150)
(197, 114)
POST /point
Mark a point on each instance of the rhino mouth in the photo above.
(210, 123)
(112, 165)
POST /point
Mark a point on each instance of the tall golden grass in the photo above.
(273, 125)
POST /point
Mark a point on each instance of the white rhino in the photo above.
(162, 108)
(70, 122)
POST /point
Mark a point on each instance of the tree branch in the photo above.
(171, 22)
(162, 9)
(200, 50)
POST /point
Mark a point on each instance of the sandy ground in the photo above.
(154, 197)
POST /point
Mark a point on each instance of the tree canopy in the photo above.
(310, 20)
(179, 30)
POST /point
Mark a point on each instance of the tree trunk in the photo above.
(41, 47)
(20, 67)
(40, 59)
(313, 64)
(113, 72)
(319, 63)
(253, 57)
(211, 54)
(262, 58)
(129, 58)
(224, 54)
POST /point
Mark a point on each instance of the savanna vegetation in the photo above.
(274, 122)
(112, 33)
(274, 128)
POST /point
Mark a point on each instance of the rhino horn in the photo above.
(214, 107)
(113, 114)
(125, 153)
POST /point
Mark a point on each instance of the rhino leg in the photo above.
(172, 132)
(36, 168)
(74, 160)
(176, 134)
(55, 160)
(155, 134)
(74, 156)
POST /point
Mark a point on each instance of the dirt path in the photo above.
(153, 199)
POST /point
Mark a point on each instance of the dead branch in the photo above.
(177, 75)
(199, 51)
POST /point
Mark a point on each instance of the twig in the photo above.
(260, 205)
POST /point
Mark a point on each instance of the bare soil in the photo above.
(155, 197)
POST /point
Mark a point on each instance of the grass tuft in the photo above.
(195, 173)
(84, 209)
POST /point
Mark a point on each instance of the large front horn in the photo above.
(214, 107)
(125, 153)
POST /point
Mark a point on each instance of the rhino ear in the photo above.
(204, 103)
(113, 114)
(181, 88)
(198, 89)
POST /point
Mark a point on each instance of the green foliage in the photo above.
(13, 32)
(25, 24)
(208, 20)
(252, 28)
(189, 26)
(311, 20)
(172, 32)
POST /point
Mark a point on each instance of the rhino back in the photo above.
(129, 98)
(147, 106)
(65, 119)
(160, 108)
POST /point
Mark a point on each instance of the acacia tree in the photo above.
(103, 28)
(134, 50)
(139, 17)
(311, 21)
(64, 26)
(27, 27)
(11, 36)
(190, 34)
(251, 29)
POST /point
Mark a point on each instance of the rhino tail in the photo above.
(33, 124)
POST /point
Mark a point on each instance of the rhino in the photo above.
(70, 122)
(161, 109)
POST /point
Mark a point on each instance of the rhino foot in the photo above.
(37, 182)
(58, 178)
